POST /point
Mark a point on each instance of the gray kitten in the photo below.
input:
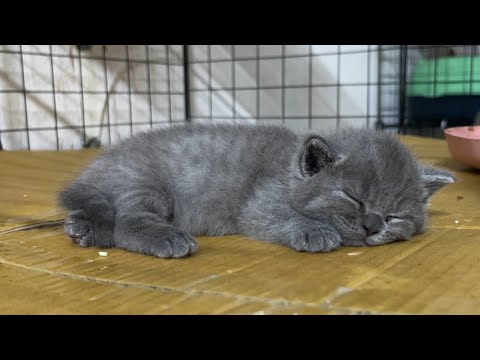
(154, 191)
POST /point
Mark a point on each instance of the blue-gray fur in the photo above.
(311, 192)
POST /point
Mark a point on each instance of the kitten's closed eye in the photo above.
(346, 195)
(391, 218)
(318, 203)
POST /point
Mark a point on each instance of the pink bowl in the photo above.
(464, 144)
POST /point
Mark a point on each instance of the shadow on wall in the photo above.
(237, 99)
(138, 76)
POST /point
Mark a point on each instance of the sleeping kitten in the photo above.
(315, 192)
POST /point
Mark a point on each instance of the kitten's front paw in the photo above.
(166, 242)
(318, 240)
(175, 244)
(79, 228)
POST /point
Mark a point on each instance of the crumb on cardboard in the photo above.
(459, 197)
(355, 253)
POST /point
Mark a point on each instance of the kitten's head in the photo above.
(366, 184)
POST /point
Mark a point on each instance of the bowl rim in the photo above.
(449, 133)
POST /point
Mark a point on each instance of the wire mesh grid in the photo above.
(434, 87)
(61, 97)
(75, 97)
(301, 86)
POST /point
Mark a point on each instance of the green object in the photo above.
(446, 76)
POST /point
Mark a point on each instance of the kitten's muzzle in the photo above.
(372, 223)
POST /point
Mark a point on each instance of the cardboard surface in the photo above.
(42, 272)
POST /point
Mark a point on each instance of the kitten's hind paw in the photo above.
(316, 241)
(79, 229)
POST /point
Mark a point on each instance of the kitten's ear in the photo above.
(315, 155)
(434, 179)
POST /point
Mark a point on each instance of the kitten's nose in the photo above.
(372, 222)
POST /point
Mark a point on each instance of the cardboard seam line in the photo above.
(355, 284)
(340, 291)
(326, 305)
(226, 272)
(455, 227)
(272, 302)
(187, 289)
(34, 226)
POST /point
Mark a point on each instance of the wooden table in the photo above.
(42, 272)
